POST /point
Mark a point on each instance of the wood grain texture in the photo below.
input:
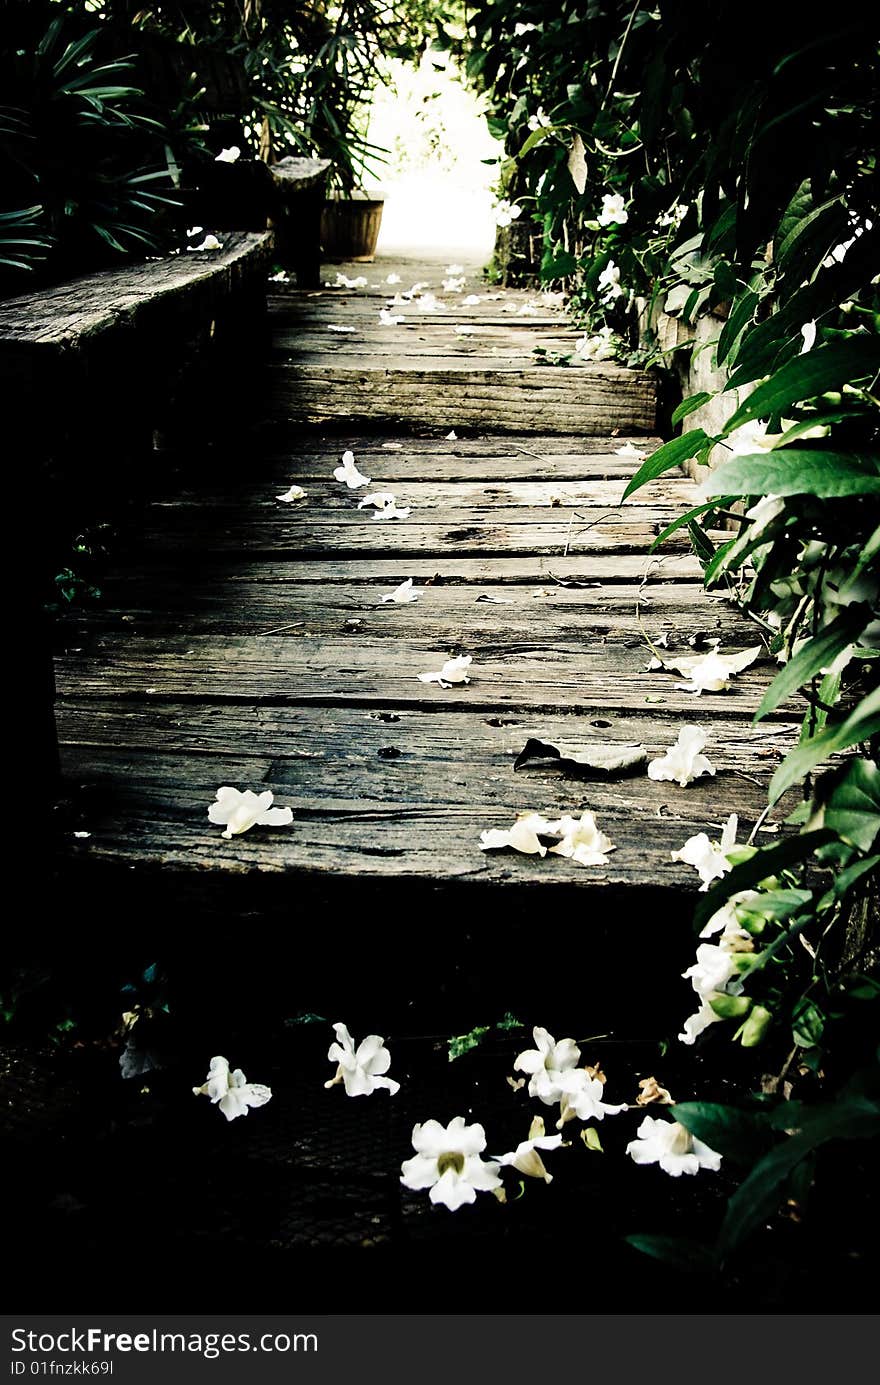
(245, 642)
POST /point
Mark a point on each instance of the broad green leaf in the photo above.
(819, 651)
(687, 406)
(731, 1132)
(777, 904)
(686, 519)
(807, 1023)
(860, 725)
(671, 454)
(852, 809)
(808, 375)
(536, 137)
(741, 314)
(797, 471)
(702, 544)
(765, 864)
(758, 1197)
(684, 1254)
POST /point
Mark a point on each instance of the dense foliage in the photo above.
(717, 158)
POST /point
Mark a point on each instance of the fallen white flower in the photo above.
(380, 499)
(463, 330)
(392, 511)
(193, 232)
(522, 836)
(525, 1158)
(447, 1160)
(281, 277)
(472, 300)
(455, 269)
(454, 285)
(231, 1091)
(670, 1145)
(600, 347)
(551, 298)
(295, 493)
(361, 1069)
(428, 303)
(452, 437)
(209, 243)
(582, 1097)
(629, 451)
(613, 211)
(334, 327)
(392, 279)
(393, 446)
(547, 1065)
(228, 156)
(343, 281)
(453, 671)
(389, 319)
(582, 841)
(708, 858)
(403, 593)
(349, 473)
(527, 310)
(684, 762)
(82, 835)
(239, 812)
(712, 672)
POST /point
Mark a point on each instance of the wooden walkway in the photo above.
(244, 641)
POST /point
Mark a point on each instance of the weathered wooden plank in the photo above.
(305, 669)
(144, 807)
(509, 399)
(477, 448)
(238, 574)
(61, 316)
(325, 740)
(462, 532)
(484, 497)
(205, 605)
(404, 463)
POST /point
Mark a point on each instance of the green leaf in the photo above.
(687, 406)
(729, 1131)
(860, 725)
(765, 863)
(797, 471)
(684, 1254)
(535, 137)
(463, 1043)
(844, 880)
(822, 649)
(807, 1023)
(852, 809)
(686, 519)
(759, 1195)
(671, 454)
(741, 314)
(808, 375)
(867, 556)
